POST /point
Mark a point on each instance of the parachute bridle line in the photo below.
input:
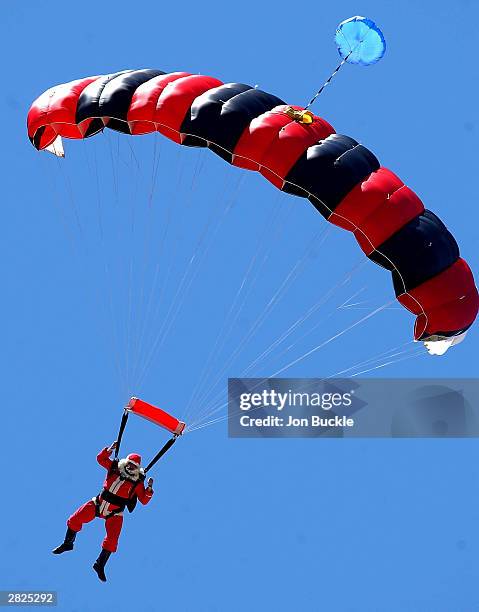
(328, 81)
(338, 68)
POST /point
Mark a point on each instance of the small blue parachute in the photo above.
(360, 41)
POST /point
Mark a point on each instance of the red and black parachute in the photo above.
(300, 154)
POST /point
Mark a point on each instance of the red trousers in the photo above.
(86, 513)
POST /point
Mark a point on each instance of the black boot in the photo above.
(67, 543)
(99, 565)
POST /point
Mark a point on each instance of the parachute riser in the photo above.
(164, 449)
(124, 420)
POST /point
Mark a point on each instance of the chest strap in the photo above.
(112, 498)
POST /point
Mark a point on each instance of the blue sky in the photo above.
(333, 525)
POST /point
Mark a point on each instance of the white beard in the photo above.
(131, 475)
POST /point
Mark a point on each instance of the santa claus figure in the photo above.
(123, 486)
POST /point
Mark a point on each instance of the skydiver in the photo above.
(123, 485)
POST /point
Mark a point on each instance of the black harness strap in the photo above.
(161, 452)
(124, 420)
(112, 498)
(98, 501)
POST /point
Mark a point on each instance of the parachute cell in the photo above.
(255, 130)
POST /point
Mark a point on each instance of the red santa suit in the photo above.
(118, 488)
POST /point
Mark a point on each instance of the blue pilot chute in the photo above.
(360, 41)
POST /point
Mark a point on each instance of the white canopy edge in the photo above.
(440, 345)
(56, 147)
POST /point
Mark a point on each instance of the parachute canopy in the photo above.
(155, 415)
(255, 130)
(360, 41)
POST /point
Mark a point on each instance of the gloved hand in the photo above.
(150, 483)
(112, 446)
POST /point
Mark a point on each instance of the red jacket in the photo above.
(116, 484)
